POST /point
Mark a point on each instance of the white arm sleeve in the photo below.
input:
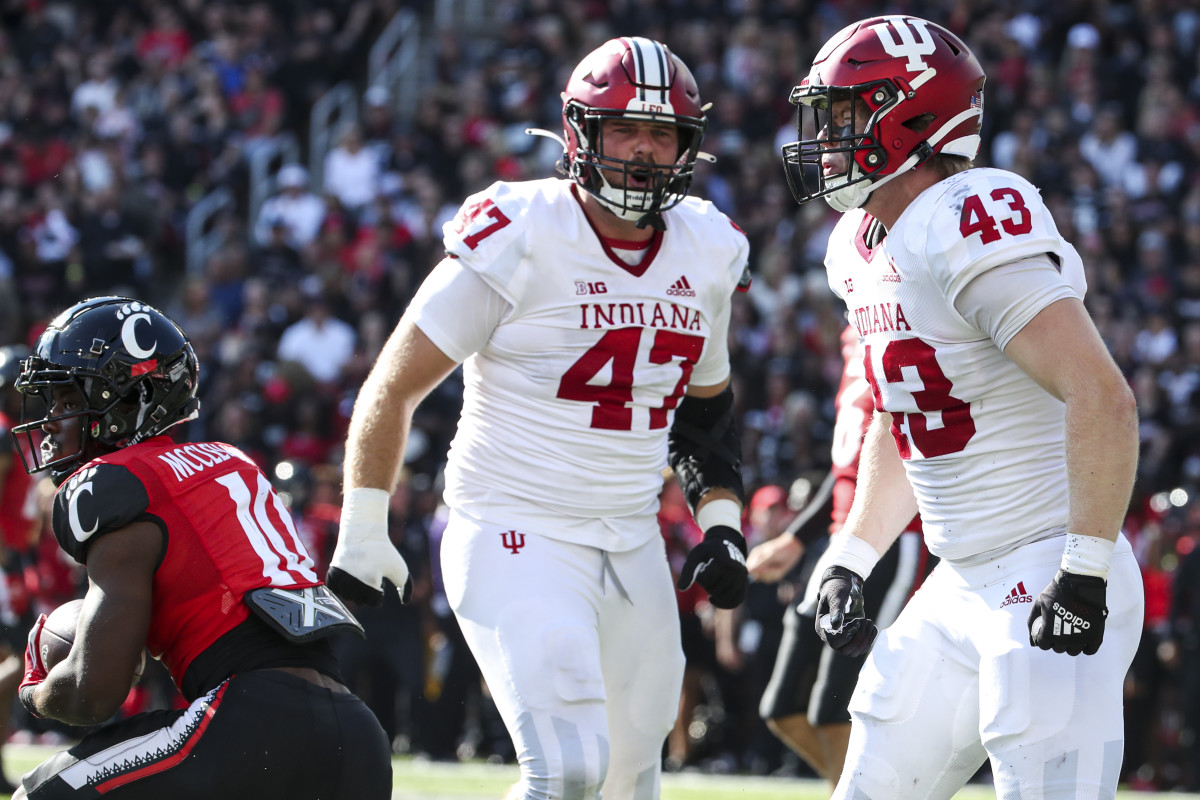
(457, 310)
(1002, 300)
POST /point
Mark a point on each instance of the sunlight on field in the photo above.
(422, 780)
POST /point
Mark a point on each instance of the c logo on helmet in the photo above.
(910, 46)
(129, 336)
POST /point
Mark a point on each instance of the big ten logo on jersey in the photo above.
(483, 219)
(905, 37)
(512, 541)
(590, 287)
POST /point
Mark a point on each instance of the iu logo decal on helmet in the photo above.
(883, 96)
(134, 368)
(635, 79)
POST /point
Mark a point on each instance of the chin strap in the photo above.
(652, 219)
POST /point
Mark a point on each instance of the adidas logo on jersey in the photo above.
(681, 288)
(1017, 595)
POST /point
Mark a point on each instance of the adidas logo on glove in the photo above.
(1067, 623)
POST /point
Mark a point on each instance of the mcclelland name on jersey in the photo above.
(607, 315)
(189, 459)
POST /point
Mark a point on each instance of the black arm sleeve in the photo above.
(704, 447)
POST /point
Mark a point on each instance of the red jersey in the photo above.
(226, 532)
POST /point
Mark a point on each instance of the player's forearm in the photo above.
(408, 368)
(376, 441)
(64, 697)
(883, 498)
(1102, 451)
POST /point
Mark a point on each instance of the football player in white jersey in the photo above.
(1000, 416)
(591, 316)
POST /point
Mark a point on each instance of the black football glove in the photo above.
(841, 617)
(1068, 616)
(719, 565)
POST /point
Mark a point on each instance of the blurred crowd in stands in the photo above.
(116, 118)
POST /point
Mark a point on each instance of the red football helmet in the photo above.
(633, 78)
(920, 88)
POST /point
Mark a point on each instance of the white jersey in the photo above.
(983, 445)
(567, 408)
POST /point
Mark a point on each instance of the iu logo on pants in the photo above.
(513, 541)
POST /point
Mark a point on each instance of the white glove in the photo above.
(364, 555)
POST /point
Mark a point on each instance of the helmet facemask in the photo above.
(37, 384)
(820, 141)
(608, 178)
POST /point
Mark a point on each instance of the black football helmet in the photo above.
(135, 368)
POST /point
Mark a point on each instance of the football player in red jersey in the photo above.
(591, 315)
(191, 555)
(1000, 416)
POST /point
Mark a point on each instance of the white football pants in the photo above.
(580, 650)
(955, 681)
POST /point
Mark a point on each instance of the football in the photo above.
(59, 632)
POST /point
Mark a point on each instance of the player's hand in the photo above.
(841, 616)
(719, 565)
(774, 558)
(364, 555)
(1068, 616)
(35, 667)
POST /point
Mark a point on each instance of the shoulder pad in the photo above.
(96, 500)
(977, 220)
(489, 222)
(717, 236)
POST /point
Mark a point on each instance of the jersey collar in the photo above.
(636, 270)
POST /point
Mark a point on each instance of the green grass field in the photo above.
(421, 780)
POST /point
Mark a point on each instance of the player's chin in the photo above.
(50, 450)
